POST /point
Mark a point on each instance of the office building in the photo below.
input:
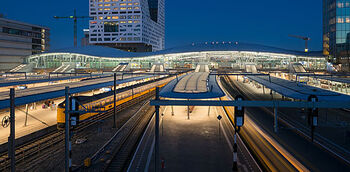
(130, 25)
(336, 31)
(19, 40)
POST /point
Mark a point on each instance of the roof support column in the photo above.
(100, 66)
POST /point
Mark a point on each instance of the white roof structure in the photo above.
(227, 54)
(101, 51)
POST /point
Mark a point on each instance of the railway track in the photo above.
(121, 159)
(116, 153)
(33, 149)
(302, 130)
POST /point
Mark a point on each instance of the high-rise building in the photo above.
(18, 40)
(336, 31)
(130, 25)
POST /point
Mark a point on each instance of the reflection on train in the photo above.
(104, 101)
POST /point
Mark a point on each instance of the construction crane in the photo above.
(75, 18)
(306, 39)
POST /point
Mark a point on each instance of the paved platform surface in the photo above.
(195, 144)
(38, 119)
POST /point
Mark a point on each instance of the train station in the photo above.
(155, 86)
(194, 82)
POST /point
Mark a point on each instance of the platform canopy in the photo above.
(298, 90)
(32, 95)
(198, 85)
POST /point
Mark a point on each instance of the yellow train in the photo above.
(104, 101)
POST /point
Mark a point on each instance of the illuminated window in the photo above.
(123, 22)
(107, 5)
(100, 5)
(100, 9)
(136, 3)
(107, 0)
(115, 0)
(129, 8)
(137, 8)
(122, 4)
(115, 17)
(108, 17)
(347, 20)
(340, 20)
(136, 21)
(129, 21)
(122, 8)
(116, 8)
(106, 9)
(129, 3)
(100, 18)
(100, 0)
(340, 5)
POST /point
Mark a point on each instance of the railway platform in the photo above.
(195, 144)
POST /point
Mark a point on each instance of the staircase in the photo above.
(16, 69)
(64, 68)
(23, 68)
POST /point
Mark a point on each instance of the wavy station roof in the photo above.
(101, 51)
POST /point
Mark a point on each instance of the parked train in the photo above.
(104, 101)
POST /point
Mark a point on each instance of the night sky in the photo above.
(267, 22)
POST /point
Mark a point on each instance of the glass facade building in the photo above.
(336, 31)
(130, 25)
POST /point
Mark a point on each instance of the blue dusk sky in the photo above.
(267, 22)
